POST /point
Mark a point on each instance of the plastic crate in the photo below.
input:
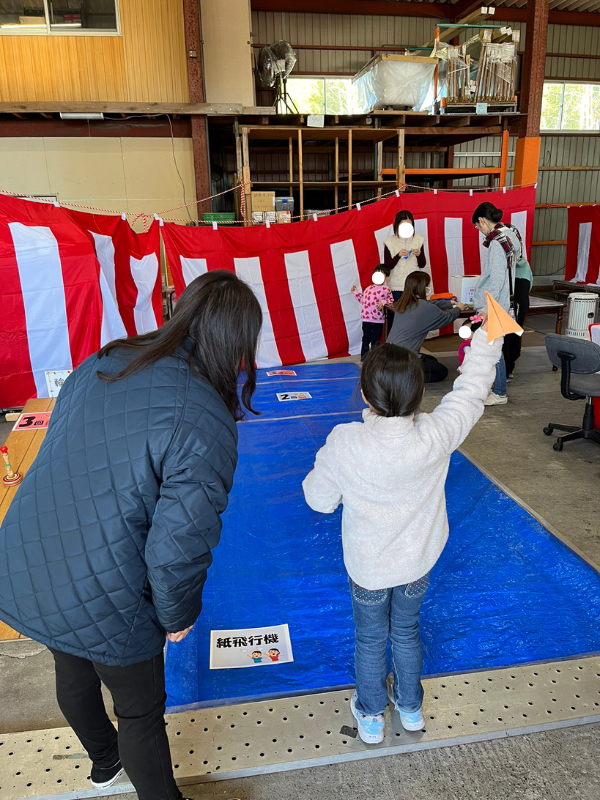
(218, 216)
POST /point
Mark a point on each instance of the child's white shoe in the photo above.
(370, 728)
(412, 721)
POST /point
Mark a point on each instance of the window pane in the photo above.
(100, 15)
(551, 106)
(341, 96)
(581, 107)
(307, 94)
(15, 14)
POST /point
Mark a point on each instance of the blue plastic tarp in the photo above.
(505, 590)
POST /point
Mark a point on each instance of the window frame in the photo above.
(46, 29)
(563, 84)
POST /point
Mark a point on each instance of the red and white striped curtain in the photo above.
(302, 273)
(69, 283)
(72, 281)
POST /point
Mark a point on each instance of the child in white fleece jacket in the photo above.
(394, 521)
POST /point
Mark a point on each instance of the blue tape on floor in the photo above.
(505, 591)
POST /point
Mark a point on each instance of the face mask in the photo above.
(406, 230)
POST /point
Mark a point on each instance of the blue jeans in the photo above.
(379, 615)
(499, 386)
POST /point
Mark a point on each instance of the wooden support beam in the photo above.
(527, 151)
(350, 167)
(457, 122)
(504, 158)
(301, 173)
(400, 173)
(368, 7)
(246, 174)
(51, 107)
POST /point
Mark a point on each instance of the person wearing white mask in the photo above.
(403, 252)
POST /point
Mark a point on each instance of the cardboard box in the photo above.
(284, 216)
(263, 201)
(463, 287)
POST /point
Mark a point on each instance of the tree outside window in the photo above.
(571, 107)
(323, 95)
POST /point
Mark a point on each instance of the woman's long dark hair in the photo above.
(415, 289)
(487, 211)
(223, 317)
(403, 216)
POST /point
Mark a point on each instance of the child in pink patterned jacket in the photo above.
(373, 300)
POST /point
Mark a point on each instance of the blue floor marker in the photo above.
(505, 590)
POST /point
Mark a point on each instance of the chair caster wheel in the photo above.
(548, 431)
(558, 445)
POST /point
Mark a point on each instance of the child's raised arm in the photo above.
(458, 412)
(320, 487)
(357, 294)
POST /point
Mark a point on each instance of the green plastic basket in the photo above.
(219, 216)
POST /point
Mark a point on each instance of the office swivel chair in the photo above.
(578, 361)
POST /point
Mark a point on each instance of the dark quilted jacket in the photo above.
(107, 541)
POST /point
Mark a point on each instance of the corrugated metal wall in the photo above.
(570, 150)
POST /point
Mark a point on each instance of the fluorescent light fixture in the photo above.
(81, 115)
(65, 24)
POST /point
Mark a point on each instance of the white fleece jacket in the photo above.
(390, 474)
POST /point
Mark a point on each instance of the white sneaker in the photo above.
(370, 728)
(495, 400)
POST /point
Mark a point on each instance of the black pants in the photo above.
(512, 343)
(371, 337)
(390, 314)
(139, 697)
(434, 371)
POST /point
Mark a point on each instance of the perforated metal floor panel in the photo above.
(270, 736)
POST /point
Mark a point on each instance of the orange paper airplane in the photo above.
(499, 321)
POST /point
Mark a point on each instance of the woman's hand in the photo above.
(461, 306)
(417, 252)
(180, 636)
(484, 317)
(403, 253)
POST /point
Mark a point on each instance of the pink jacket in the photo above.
(372, 295)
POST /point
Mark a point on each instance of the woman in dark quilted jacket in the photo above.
(105, 548)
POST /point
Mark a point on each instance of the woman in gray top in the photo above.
(415, 316)
(503, 251)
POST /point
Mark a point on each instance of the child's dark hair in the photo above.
(403, 216)
(392, 380)
(382, 268)
(257, 653)
(274, 650)
(487, 211)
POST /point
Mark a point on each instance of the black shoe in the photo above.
(103, 778)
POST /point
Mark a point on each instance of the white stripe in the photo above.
(453, 237)
(519, 220)
(144, 271)
(304, 302)
(346, 275)
(380, 236)
(483, 251)
(583, 251)
(112, 324)
(192, 268)
(40, 272)
(248, 269)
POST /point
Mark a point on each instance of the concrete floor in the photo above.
(561, 487)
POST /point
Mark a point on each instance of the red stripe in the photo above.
(17, 384)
